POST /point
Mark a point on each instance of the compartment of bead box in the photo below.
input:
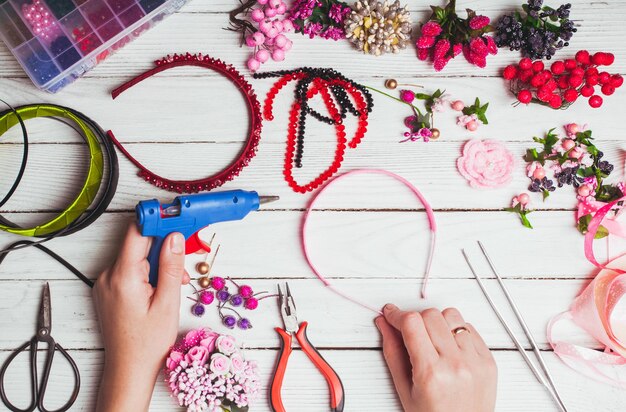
(57, 41)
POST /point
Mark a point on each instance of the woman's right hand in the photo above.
(434, 369)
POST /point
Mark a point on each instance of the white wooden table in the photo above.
(371, 235)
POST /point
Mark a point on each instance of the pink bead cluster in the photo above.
(269, 40)
(42, 22)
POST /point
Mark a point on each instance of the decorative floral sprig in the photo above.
(323, 18)
(574, 161)
(519, 206)
(473, 116)
(265, 32)
(565, 81)
(377, 28)
(539, 32)
(207, 371)
(446, 35)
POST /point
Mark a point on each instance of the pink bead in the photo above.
(246, 291)
(262, 55)
(269, 13)
(523, 198)
(287, 25)
(278, 25)
(206, 297)
(250, 42)
(457, 105)
(257, 15)
(281, 41)
(584, 191)
(282, 9)
(288, 45)
(251, 303)
(271, 33)
(253, 64)
(274, 3)
(218, 283)
(539, 173)
(278, 55)
(259, 38)
(264, 26)
(568, 144)
(472, 126)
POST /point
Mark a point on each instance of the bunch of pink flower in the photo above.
(446, 35)
(206, 371)
(270, 40)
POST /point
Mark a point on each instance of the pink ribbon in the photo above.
(422, 199)
(600, 310)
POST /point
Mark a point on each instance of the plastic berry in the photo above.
(509, 73)
(604, 77)
(251, 303)
(218, 283)
(246, 291)
(570, 95)
(538, 66)
(586, 91)
(244, 324)
(583, 57)
(609, 58)
(458, 105)
(557, 67)
(197, 309)
(524, 96)
(617, 80)
(598, 59)
(607, 89)
(575, 81)
(525, 63)
(204, 282)
(229, 321)
(206, 297)
(595, 101)
(236, 300)
(556, 101)
(223, 295)
(570, 64)
(523, 198)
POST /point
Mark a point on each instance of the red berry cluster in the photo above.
(565, 80)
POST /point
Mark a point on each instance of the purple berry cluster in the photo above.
(226, 301)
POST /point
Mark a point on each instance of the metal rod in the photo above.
(517, 343)
(522, 322)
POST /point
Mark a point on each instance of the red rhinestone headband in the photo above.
(247, 152)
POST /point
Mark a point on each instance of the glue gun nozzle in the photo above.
(267, 199)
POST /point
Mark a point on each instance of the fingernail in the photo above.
(177, 244)
(376, 322)
(389, 307)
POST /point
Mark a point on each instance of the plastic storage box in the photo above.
(57, 41)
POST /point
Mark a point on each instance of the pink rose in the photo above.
(209, 341)
(237, 363)
(220, 364)
(226, 344)
(173, 360)
(197, 353)
(486, 164)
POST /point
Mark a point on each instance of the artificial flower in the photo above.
(323, 18)
(174, 359)
(220, 364)
(486, 164)
(198, 354)
(377, 28)
(237, 363)
(226, 344)
(209, 341)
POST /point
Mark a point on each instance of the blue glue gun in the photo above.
(190, 214)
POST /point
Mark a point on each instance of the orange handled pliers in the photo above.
(290, 320)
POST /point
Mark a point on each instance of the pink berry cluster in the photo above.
(565, 81)
(446, 35)
(270, 40)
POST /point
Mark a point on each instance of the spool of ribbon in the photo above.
(600, 310)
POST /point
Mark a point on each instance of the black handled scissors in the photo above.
(44, 325)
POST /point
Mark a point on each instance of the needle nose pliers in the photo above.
(290, 321)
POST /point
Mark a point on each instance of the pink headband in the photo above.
(429, 213)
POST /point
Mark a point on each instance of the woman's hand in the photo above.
(433, 369)
(138, 323)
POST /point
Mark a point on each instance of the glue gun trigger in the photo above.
(195, 244)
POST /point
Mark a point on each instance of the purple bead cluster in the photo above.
(218, 289)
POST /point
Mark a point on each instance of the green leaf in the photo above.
(525, 220)
(422, 96)
(531, 155)
(545, 194)
(583, 227)
(235, 408)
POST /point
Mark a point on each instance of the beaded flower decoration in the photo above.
(340, 96)
(374, 27)
(485, 164)
(206, 371)
(446, 35)
(254, 133)
(266, 33)
(564, 82)
(321, 18)
(573, 160)
(539, 32)
(216, 288)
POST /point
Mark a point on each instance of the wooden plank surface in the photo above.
(370, 235)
